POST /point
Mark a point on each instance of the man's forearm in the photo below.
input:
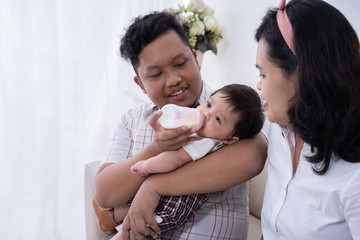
(115, 184)
(229, 166)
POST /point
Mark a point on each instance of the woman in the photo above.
(309, 63)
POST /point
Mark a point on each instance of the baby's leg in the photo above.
(120, 213)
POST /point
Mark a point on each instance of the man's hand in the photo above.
(168, 139)
(140, 221)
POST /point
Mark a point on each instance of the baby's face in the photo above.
(219, 121)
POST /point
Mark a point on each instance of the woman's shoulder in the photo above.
(341, 167)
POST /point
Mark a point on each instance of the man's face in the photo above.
(168, 72)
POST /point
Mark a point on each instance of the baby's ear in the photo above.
(231, 140)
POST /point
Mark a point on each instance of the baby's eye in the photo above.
(218, 119)
(208, 104)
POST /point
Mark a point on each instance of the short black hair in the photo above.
(246, 103)
(145, 29)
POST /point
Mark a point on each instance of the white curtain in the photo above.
(63, 87)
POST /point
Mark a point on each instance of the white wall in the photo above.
(235, 61)
(236, 54)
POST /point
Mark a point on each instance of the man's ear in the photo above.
(195, 55)
(231, 140)
(139, 83)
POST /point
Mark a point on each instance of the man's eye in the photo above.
(261, 75)
(155, 75)
(218, 119)
(180, 64)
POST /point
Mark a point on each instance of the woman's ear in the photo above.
(139, 83)
(231, 140)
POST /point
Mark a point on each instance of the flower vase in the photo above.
(199, 56)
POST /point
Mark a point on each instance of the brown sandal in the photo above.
(106, 219)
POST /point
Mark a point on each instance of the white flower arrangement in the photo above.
(200, 25)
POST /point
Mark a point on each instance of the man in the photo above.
(167, 71)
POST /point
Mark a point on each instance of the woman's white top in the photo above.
(307, 205)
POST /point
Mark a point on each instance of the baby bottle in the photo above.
(174, 116)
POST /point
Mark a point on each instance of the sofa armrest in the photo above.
(93, 231)
(254, 232)
(256, 195)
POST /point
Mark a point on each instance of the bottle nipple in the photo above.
(174, 116)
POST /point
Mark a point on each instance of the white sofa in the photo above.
(256, 191)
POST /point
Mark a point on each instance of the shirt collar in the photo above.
(151, 109)
(288, 135)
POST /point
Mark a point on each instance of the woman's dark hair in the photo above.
(325, 111)
(145, 29)
(247, 104)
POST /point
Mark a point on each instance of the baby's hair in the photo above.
(246, 104)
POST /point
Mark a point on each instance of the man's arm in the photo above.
(114, 183)
(229, 166)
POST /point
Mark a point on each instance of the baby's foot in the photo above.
(138, 168)
(106, 219)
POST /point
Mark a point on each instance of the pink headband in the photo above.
(285, 26)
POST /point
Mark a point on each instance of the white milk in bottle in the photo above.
(174, 116)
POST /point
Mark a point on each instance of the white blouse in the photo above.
(307, 205)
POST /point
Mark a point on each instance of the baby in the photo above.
(232, 113)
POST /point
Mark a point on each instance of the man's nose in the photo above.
(172, 78)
